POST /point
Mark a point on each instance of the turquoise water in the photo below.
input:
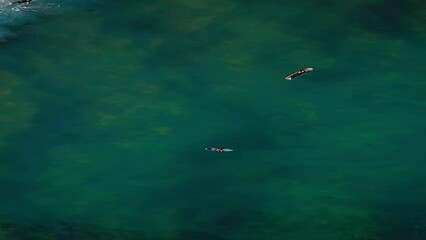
(106, 108)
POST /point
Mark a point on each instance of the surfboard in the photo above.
(212, 149)
(298, 73)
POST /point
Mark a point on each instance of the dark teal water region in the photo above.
(106, 108)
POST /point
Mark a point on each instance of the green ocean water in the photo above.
(106, 110)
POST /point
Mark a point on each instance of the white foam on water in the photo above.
(15, 14)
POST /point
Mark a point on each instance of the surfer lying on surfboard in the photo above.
(298, 73)
(212, 149)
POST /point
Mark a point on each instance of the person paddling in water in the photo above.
(213, 149)
(219, 149)
(22, 2)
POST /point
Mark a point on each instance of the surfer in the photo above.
(298, 73)
(22, 2)
(212, 149)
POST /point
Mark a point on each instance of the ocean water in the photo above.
(106, 108)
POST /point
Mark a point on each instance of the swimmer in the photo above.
(212, 149)
(298, 73)
(22, 2)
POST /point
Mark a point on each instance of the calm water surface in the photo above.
(106, 107)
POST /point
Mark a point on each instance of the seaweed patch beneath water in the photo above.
(63, 230)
